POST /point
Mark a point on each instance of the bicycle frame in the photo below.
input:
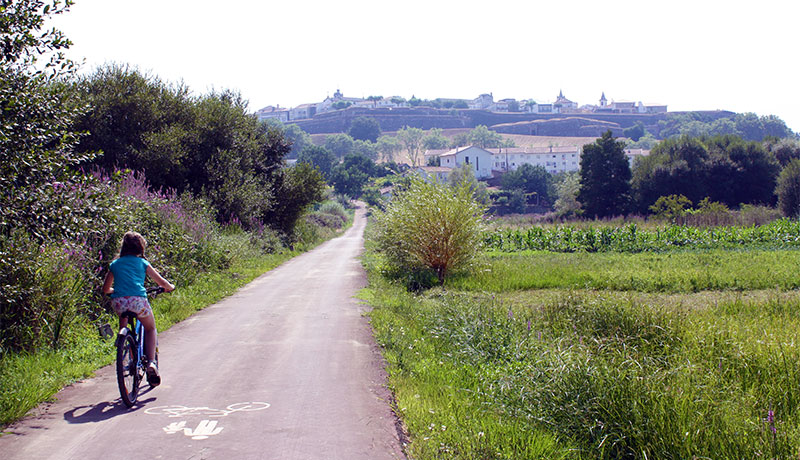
(131, 359)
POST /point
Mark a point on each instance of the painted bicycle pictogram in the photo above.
(177, 410)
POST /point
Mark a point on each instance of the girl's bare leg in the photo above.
(150, 336)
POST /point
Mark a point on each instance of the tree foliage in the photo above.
(788, 189)
(365, 129)
(209, 145)
(605, 178)
(483, 137)
(339, 144)
(567, 187)
(37, 140)
(749, 126)
(723, 168)
(298, 187)
(430, 225)
(411, 138)
(320, 158)
(298, 138)
(353, 173)
(388, 147)
(530, 179)
(435, 140)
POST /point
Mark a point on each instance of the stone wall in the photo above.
(574, 124)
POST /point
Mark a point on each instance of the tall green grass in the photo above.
(592, 374)
(599, 355)
(684, 271)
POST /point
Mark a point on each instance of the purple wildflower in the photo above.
(771, 421)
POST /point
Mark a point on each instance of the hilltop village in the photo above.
(562, 105)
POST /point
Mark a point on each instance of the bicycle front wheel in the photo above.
(128, 376)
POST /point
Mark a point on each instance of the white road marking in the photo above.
(177, 410)
(204, 429)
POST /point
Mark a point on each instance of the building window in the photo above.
(466, 159)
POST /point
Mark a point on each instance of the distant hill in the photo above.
(520, 123)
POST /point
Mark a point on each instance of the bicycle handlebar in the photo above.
(155, 290)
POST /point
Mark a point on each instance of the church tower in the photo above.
(603, 100)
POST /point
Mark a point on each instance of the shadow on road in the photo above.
(102, 411)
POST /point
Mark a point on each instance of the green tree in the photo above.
(431, 226)
(435, 140)
(788, 189)
(37, 140)
(138, 122)
(299, 187)
(605, 178)
(567, 189)
(365, 129)
(388, 147)
(634, 132)
(339, 144)
(298, 138)
(785, 150)
(530, 179)
(459, 140)
(350, 176)
(366, 149)
(484, 138)
(411, 138)
(319, 157)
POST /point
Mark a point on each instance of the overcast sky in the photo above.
(691, 55)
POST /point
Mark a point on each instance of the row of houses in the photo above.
(331, 103)
(483, 102)
(488, 163)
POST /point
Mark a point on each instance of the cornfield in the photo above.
(779, 234)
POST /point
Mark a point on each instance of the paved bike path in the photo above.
(286, 368)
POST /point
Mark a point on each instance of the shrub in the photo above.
(431, 226)
(334, 208)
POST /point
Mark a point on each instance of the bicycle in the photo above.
(131, 360)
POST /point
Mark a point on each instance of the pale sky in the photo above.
(733, 55)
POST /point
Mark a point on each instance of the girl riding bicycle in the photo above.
(125, 283)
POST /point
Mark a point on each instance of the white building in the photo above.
(303, 111)
(633, 154)
(480, 160)
(554, 159)
(273, 112)
(437, 173)
(484, 102)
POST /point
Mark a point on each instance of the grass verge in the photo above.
(662, 369)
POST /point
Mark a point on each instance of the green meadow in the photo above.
(690, 353)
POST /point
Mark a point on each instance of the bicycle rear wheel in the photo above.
(128, 376)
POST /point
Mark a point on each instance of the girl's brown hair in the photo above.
(133, 244)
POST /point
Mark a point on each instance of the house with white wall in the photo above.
(303, 111)
(438, 173)
(478, 159)
(272, 112)
(556, 159)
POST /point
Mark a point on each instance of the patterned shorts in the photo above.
(137, 305)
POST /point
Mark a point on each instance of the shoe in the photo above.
(152, 375)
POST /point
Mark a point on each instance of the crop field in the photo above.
(642, 349)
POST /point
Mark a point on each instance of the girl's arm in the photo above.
(108, 284)
(155, 276)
